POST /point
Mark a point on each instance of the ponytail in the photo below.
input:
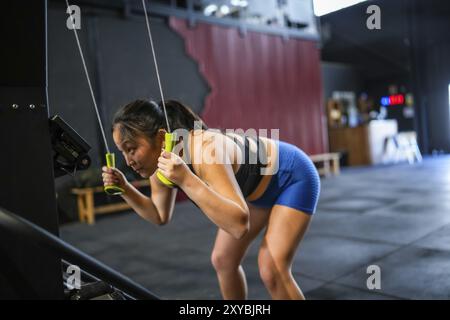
(181, 117)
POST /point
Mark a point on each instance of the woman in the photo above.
(233, 195)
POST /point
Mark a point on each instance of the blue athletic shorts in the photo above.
(295, 185)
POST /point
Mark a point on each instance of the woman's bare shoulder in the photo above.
(204, 148)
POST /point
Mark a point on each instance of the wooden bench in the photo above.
(330, 163)
(86, 204)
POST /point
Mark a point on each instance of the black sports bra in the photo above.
(249, 174)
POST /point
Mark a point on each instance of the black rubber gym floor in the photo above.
(396, 217)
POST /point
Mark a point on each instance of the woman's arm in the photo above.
(217, 193)
(158, 208)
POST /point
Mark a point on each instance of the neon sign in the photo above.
(394, 100)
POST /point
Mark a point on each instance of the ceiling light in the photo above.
(224, 10)
(210, 9)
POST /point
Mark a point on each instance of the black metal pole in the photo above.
(26, 167)
(12, 223)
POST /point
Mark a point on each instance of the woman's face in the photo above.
(140, 154)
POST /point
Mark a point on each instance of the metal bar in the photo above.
(169, 10)
(227, 22)
(12, 223)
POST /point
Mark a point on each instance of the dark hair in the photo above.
(147, 117)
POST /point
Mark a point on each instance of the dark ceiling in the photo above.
(405, 25)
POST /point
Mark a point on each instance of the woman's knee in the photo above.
(272, 270)
(222, 261)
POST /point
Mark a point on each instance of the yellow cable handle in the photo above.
(111, 163)
(169, 140)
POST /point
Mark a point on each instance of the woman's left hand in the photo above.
(173, 167)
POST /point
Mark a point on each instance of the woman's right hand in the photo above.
(113, 176)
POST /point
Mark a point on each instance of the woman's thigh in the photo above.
(235, 249)
(285, 230)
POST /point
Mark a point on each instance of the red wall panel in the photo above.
(259, 81)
